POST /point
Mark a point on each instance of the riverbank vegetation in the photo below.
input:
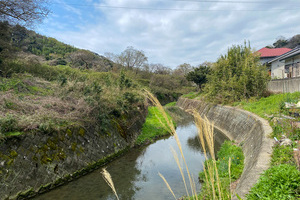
(155, 126)
(219, 171)
(238, 79)
(233, 77)
(47, 85)
(281, 180)
(48, 98)
(229, 164)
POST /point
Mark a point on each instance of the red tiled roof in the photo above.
(266, 52)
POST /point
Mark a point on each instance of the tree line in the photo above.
(234, 76)
(286, 42)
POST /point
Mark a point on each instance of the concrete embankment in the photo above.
(35, 163)
(247, 129)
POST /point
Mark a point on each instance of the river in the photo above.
(135, 174)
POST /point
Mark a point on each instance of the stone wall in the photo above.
(35, 163)
(285, 85)
(249, 130)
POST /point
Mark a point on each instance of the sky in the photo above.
(171, 32)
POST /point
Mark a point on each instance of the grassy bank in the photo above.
(46, 98)
(155, 126)
(281, 180)
(228, 171)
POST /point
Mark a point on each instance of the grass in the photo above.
(13, 133)
(35, 97)
(230, 165)
(228, 151)
(278, 182)
(282, 155)
(191, 95)
(268, 105)
(281, 180)
(154, 126)
(171, 104)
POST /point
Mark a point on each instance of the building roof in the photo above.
(293, 52)
(266, 52)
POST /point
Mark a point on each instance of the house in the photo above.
(286, 65)
(267, 54)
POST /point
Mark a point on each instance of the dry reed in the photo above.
(106, 176)
(206, 137)
(167, 184)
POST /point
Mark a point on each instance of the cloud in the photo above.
(170, 36)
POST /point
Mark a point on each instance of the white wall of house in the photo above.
(293, 64)
(277, 70)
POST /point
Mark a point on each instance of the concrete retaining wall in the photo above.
(285, 85)
(247, 129)
(35, 163)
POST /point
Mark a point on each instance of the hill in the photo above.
(288, 43)
(47, 85)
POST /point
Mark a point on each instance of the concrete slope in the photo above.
(247, 129)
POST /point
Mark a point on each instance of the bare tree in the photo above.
(111, 56)
(182, 69)
(24, 12)
(82, 59)
(132, 58)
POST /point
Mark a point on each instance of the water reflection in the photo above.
(136, 174)
(194, 142)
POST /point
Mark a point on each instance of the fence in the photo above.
(285, 85)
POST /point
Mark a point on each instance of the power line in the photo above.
(228, 1)
(221, 1)
(173, 9)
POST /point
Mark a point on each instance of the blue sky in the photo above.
(171, 32)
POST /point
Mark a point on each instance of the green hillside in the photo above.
(46, 85)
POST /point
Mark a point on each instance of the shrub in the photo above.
(237, 75)
(8, 124)
(228, 150)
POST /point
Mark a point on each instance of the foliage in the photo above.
(235, 153)
(183, 69)
(132, 58)
(228, 151)
(171, 104)
(278, 182)
(155, 126)
(281, 42)
(124, 82)
(45, 98)
(8, 123)
(199, 75)
(237, 75)
(4, 38)
(269, 105)
(191, 95)
(288, 43)
(18, 38)
(282, 155)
